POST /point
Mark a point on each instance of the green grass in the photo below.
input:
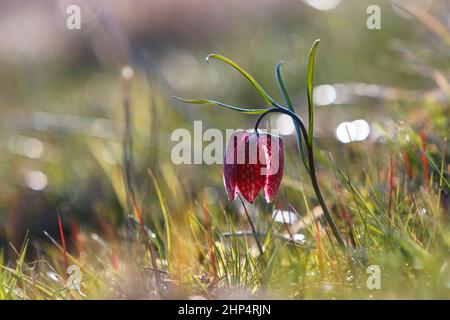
(412, 248)
(204, 244)
(182, 228)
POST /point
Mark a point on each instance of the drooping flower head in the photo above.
(252, 162)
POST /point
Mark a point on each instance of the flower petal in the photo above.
(273, 146)
(250, 176)
(230, 163)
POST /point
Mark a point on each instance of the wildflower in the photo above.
(253, 161)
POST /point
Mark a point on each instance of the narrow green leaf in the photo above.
(310, 77)
(223, 105)
(162, 204)
(282, 87)
(255, 83)
(288, 102)
(439, 171)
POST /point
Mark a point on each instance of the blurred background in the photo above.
(62, 93)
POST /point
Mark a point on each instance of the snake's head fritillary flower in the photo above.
(252, 162)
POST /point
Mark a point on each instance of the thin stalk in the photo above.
(127, 156)
(255, 234)
(63, 240)
(424, 158)
(312, 171)
(391, 185)
(127, 75)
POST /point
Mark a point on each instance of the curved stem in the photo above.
(312, 169)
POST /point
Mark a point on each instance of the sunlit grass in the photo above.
(212, 252)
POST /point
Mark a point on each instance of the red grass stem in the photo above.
(407, 165)
(424, 158)
(63, 240)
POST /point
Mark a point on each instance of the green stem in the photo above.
(312, 169)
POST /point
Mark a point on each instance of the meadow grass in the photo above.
(191, 242)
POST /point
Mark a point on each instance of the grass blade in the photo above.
(391, 184)
(424, 158)
(435, 167)
(63, 240)
(162, 204)
(310, 78)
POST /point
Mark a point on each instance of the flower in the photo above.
(253, 161)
